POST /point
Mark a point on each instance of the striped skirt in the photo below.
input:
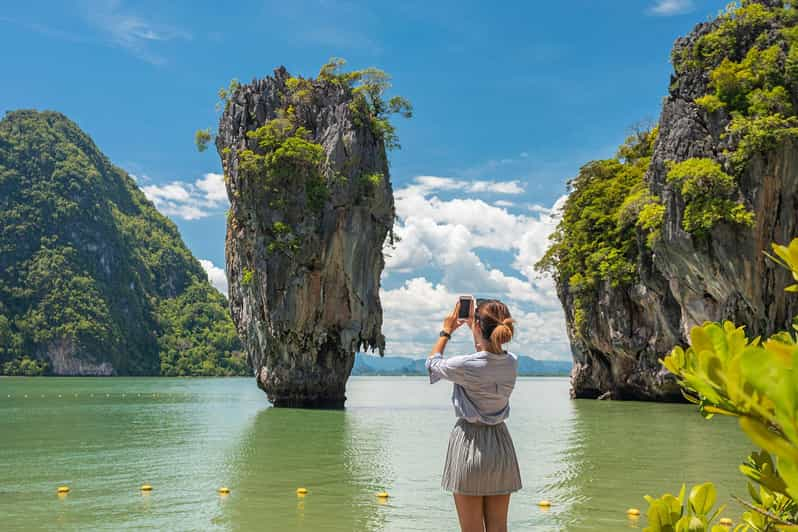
(480, 460)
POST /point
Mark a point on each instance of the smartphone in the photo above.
(465, 307)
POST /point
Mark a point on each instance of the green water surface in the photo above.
(105, 437)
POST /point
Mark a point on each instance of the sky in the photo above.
(510, 100)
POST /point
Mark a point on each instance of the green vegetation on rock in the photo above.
(755, 86)
(596, 239)
(749, 55)
(368, 104)
(739, 18)
(198, 336)
(92, 278)
(708, 193)
(284, 160)
(201, 138)
(286, 156)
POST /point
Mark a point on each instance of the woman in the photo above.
(481, 468)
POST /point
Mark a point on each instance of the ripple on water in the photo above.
(188, 437)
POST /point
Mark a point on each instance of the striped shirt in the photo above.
(483, 383)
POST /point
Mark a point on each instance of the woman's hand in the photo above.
(452, 322)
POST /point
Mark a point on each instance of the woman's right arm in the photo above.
(439, 367)
(450, 369)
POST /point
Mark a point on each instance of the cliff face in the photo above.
(685, 278)
(311, 205)
(93, 280)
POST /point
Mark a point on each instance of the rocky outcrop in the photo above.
(686, 280)
(303, 258)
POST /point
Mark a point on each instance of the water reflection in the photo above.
(188, 437)
(604, 471)
(328, 452)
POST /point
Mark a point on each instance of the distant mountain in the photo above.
(371, 365)
(93, 279)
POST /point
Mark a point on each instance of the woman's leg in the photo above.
(469, 511)
(496, 513)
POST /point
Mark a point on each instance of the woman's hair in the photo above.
(495, 321)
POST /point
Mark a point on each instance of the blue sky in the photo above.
(509, 102)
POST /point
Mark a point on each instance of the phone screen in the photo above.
(465, 308)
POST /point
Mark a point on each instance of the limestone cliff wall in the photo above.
(302, 312)
(685, 281)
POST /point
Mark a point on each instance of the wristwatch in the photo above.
(447, 335)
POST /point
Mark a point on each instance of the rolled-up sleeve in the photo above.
(451, 369)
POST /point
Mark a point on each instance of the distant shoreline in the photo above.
(374, 366)
(393, 366)
(547, 375)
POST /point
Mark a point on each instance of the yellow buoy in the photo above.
(544, 504)
(383, 495)
(146, 487)
(633, 512)
(63, 489)
(301, 491)
(224, 491)
(725, 521)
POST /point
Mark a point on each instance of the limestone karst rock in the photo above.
(745, 122)
(311, 206)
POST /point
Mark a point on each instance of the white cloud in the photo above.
(412, 316)
(213, 187)
(668, 8)
(216, 275)
(503, 187)
(503, 203)
(189, 201)
(429, 183)
(131, 31)
(444, 237)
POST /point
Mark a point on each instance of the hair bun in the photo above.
(503, 332)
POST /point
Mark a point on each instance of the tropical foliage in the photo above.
(284, 161)
(90, 269)
(199, 337)
(749, 56)
(709, 195)
(755, 380)
(368, 87)
(596, 239)
(677, 514)
(753, 85)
